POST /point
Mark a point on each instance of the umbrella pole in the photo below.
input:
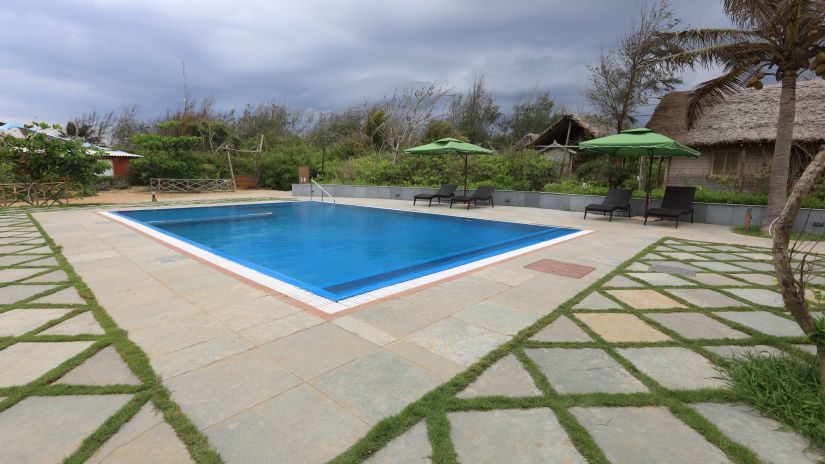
(648, 185)
(465, 174)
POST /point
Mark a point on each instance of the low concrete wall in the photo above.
(709, 213)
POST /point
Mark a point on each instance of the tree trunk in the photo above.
(793, 291)
(780, 164)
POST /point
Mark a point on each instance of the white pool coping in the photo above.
(318, 302)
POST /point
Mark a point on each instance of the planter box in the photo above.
(709, 213)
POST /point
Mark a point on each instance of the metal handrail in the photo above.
(323, 191)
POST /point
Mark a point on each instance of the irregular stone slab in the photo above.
(719, 267)
(645, 299)
(675, 368)
(721, 256)
(684, 256)
(26, 361)
(759, 279)
(457, 340)
(764, 322)
(145, 438)
(638, 267)
(706, 298)
(674, 267)
(66, 296)
(54, 276)
(754, 266)
(17, 273)
(20, 321)
(661, 279)
(653, 257)
(688, 248)
(378, 385)
(650, 434)
(771, 440)
(562, 330)
(199, 355)
(11, 260)
(9, 249)
(514, 436)
(412, 447)
(584, 370)
(104, 368)
(506, 377)
(260, 434)
(597, 301)
(11, 294)
(212, 393)
(725, 248)
(717, 280)
(619, 327)
(738, 351)
(756, 256)
(696, 325)
(81, 324)
(317, 350)
(760, 296)
(621, 281)
(496, 317)
(49, 428)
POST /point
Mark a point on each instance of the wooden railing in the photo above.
(192, 185)
(35, 194)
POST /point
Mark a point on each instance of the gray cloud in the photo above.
(62, 58)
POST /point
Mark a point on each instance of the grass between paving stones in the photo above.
(787, 389)
(434, 406)
(150, 388)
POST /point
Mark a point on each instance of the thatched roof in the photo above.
(748, 116)
(581, 129)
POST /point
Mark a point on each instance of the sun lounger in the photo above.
(481, 194)
(677, 202)
(616, 200)
(446, 191)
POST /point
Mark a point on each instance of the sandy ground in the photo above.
(138, 194)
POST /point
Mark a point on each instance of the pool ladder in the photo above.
(323, 191)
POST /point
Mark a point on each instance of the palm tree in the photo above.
(770, 37)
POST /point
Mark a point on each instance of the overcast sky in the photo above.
(64, 57)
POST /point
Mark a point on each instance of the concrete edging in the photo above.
(709, 213)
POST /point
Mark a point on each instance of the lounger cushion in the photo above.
(602, 207)
(666, 212)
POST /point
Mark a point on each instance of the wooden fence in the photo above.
(192, 185)
(35, 194)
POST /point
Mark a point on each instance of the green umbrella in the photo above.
(450, 145)
(637, 143)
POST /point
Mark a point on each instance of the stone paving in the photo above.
(61, 378)
(608, 376)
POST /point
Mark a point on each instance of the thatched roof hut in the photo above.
(746, 117)
(736, 136)
(569, 130)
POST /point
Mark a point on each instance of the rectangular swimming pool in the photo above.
(337, 252)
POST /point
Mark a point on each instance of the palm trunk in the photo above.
(793, 291)
(780, 164)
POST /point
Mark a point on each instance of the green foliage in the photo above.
(438, 129)
(279, 169)
(784, 387)
(47, 159)
(165, 144)
(603, 171)
(531, 114)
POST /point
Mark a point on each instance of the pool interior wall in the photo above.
(340, 251)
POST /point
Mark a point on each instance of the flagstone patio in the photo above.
(620, 365)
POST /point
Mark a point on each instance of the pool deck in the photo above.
(264, 378)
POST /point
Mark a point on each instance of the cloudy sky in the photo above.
(64, 57)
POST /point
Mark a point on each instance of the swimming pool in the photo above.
(343, 255)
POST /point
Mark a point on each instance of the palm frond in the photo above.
(758, 14)
(714, 91)
(728, 56)
(705, 37)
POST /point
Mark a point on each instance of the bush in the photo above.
(604, 172)
(183, 166)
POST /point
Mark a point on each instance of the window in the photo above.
(725, 162)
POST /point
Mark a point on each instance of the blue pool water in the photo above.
(339, 251)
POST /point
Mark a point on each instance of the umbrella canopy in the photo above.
(450, 145)
(637, 143)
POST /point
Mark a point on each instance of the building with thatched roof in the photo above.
(560, 141)
(736, 137)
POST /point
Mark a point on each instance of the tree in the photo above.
(771, 37)
(627, 78)
(408, 112)
(475, 113)
(439, 129)
(532, 114)
(792, 285)
(41, 158)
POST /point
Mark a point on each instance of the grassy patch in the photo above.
(785, 388)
